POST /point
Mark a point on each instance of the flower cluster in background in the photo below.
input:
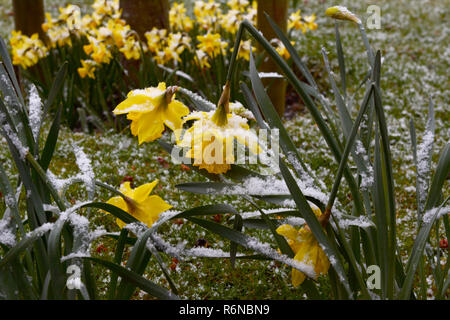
(98, 44)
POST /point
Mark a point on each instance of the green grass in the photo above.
(413, 43)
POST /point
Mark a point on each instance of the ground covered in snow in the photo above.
(414, 42)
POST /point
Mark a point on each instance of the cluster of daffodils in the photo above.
(303, 23)
(27, 51)
(103, 29)
(205, 35)
(209, 141)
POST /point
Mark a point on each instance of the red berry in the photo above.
(443, 243)
(101, 248)
(127, 179)
(178, 221)
(163, 162)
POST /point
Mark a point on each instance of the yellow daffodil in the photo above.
(178, 42)
(139, 203)
(87, 69)
(27, 51)
(342, 13)
(310, 22)
(106, 8)
(244, 50)
(251, 13)
(88, 22)
(212, 44)
(239, 5)
(281, 49)
(207, 14)
(150, 109)
(71, 15)
(49, 22)
(202, 59)
(211, 145)
(98, 51)
(119, 31)
(231, 20)
(155, 38)
(131, 49)
(166, 55)
(178, 18)
(295, 22)
(59, 35)
(306, 249)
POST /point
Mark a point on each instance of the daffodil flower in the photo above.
(211, 43)
(281, 49)
(211, 144)
(87, 69)
(306, 249)
(178, 18)
(150, 109)
(139, 203)
(244, 50)
(27, 51)
(239, 5)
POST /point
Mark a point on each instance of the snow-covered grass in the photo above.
(413, 39)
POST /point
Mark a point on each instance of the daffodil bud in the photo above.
(342, 13)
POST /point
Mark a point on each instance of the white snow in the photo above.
(435, 212)
(7, 237)
(35, 111)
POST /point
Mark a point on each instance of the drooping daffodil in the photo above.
(139, 203)
(306, 249)
(211, 144)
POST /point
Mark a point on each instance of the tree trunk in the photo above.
(29, 16)
(143, 15)
(278, 11)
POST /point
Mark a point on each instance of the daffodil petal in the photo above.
(118, 202)
(297, 277)
(142, 192)
(151, 209)
(135, 103)
(287, 231)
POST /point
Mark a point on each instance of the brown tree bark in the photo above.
(29, 16)
(278, 11)
(143, 15)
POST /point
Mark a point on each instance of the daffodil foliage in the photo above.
(314, 231)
